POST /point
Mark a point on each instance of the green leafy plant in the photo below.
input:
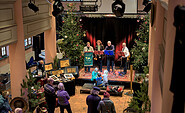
(55, 63)
(72, 37)
(140, 48)
(141, 102)
(32, 90)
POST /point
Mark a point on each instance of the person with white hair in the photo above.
(105, 78)
(63, 98)
(88, 48)
(124, 58)
(110, 58)
(18, 110)
(50, 95)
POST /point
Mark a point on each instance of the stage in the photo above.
(111, 76)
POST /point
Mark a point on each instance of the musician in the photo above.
(86, 49)
(110, 58)
(99, 47)
(124, 58)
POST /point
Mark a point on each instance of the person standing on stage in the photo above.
(124, 58)
(88, 48)
(110, 58)
(99, 47)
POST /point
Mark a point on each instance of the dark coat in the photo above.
(92, 101)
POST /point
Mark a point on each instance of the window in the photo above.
(25, 42)
(28, 42)
(3, 52)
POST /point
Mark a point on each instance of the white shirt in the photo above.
(126, 52)
(105, 79)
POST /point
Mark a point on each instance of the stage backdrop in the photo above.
(116, 30)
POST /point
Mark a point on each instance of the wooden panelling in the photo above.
(36, 27)
(8, 35)
(7, 15)
(35, 23)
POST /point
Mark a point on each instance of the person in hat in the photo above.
(92, 100)
(106, 105)
(50, 95)
(63, 98)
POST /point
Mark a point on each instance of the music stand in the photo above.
(98, 52)
(108, 52)
(120, 53)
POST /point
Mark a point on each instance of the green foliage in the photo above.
(72, 33)
(141, 98)
(55, 63)
(31, 89)
(140, 49)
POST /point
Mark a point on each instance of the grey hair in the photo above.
(95, 92)
(50, 80)
(61, 86)
(18, 110)
(109, 42)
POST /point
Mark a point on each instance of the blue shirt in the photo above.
(99, 81)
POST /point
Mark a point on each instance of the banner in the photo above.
(88, 59)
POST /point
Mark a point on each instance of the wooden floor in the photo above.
(78, 102)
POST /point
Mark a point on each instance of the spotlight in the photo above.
(145, 2)
(57, 8)
(118, 8)
(148, 7)
(33, 7)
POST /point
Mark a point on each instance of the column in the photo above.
(17, 53)
(50, 40)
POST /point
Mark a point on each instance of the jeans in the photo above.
(89, 67)
(124, 63)
(99, 63)
(110, 60)
(67, 107)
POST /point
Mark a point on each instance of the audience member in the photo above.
(50, 95)
(63, 98)
(4, 104)
(18, 110)
(99, 80)
(105, 79)
(106, 105)
(93, 100)
(94, 75)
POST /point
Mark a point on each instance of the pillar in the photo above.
(17, 54)
(50, 40)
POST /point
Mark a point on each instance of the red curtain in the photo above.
(116, 30)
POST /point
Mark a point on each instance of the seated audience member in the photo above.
(63, 98)
(99, 80)
(94, 75)
(106, 105)
(92, 100)
(105, 79)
